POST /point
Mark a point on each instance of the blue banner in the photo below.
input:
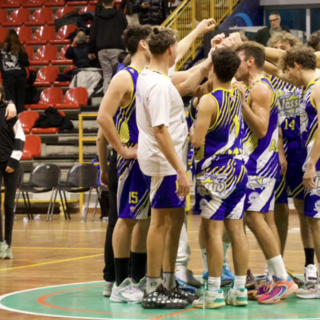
(248, 13)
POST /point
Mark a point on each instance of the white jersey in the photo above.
(159, 103)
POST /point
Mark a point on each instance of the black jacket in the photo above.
(106, 30)
(155, 14)
(79, 55)
(263, 35)
(13, 65)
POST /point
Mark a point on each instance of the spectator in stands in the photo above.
(105, 38)
(12, 141)
(78, 51)
(314, 41)
(152, 12)
(14, 61)
(263, 35)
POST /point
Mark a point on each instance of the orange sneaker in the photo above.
(280, 290)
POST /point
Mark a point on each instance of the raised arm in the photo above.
(308, 178)
(207, 111)
(118, 92)
(273, 55)
(275, 71)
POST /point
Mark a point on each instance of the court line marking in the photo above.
(52, 262)
(77, 317)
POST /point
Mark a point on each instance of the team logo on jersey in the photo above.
(257, 183)
(253, 197)
(133, 209)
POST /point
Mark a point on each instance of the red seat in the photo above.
(55, 3)
(13, 3)
(34, 4)
(44, 55)
(63, 11)
(48, 98)
(62, 60)
(24, 33)
(3, 33)
(41, 17)
(77, 3)
(46, 76)
(42, 35)
(27, 120)
(32, 148)
(47, 130)
(87, 9)
(3, 16)
(69, 68)
(29, 51)
(17, 18)
(63, 33)
(74, 98)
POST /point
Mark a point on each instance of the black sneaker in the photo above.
(161, 299)
(177, 293)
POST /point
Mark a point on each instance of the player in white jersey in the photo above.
(162, 153)
(260, 147)
(300, 64)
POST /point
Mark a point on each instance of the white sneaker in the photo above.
(210, 300)
(310, 273)
(237, 297)
(3, 248)
(186, 275)
(126, 292)
(142, 285)
(108, 289)
(310, 291)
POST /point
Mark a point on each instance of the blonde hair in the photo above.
(285, 38)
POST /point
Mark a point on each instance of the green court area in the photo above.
(85, 301)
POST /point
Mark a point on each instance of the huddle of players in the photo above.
(236, 138)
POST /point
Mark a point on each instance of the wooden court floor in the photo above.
(64, 252)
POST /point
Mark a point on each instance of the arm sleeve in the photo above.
(24, 59)
(17, 146)
(159, 104)
(69, 53)
(92, 38)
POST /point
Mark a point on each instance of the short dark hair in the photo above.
(3, 94)
(107, 2)
(314, 41)
(254, 50)
(274, 13)
(161, 39)
(304, 56)
(133, 35)
(226, 63)
(121, 56)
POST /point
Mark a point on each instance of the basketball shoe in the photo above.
(210, 300)
(237, 297)
(186, 275)
(126, 292)
(310, 291)
(251, 281)
(3, 247)
(261, 288)
(108, 288)
(227, 276)
(280, 289)
(310, 273)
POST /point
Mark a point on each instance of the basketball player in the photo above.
(300, 64)
(162, 152)
(260, 147)
(221, 179)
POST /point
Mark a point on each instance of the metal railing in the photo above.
(190, 12)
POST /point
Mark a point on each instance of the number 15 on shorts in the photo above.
(133, 197)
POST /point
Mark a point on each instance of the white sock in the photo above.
(214, 283)
(239, 282)
(152, 284)
(169, 280)
(226, 247)
(204, 259)
(276, 266)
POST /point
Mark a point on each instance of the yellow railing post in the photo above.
(212, 7)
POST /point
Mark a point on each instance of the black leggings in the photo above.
(16, 89)
(109, 271)
(11, 181)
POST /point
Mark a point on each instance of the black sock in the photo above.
(138, 266)
(309, 253)
(121, 267)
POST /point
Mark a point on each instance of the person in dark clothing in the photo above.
(14, 61)
(78, 51)
(263, 35)
(105, 38)
(152, 12)
(12, 141)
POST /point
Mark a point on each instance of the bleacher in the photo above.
(34, 22)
